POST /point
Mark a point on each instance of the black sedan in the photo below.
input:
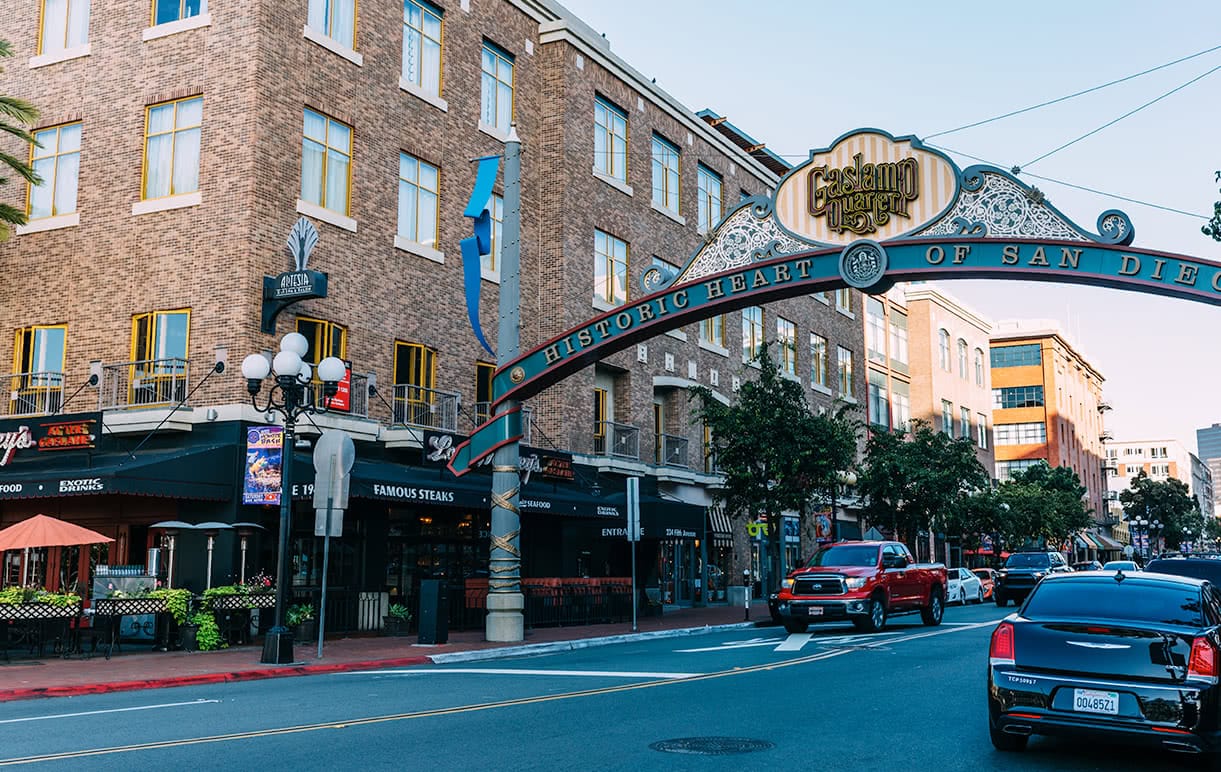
(1126, 658)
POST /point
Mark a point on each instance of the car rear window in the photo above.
(1132, 600)
(1199, 569)
(1028, 560)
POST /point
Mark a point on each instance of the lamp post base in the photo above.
(278, 647)
(505, 622)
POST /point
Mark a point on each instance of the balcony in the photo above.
(616, 440)
(358, 396)
(1106, 436)
(1103, 407)
(672, 451)
(483, 412)
(33, 394)
(424, 408)
(146, 383)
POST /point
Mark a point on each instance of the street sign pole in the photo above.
(326, 559)
(633, 534)
(334, 455)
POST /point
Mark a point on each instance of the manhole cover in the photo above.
(711, 746)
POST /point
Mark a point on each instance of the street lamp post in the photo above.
(1142, 524)
(287, 396)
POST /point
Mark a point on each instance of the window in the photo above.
(38, 360)
(326, 339)
(709, 452)
(712, 331)
(1017, 396)
(752, 332)
(326, 162)
(843, 299)
(496, 89)
(947, 417)
(600, 413)
(422, 29)
(962, 359)
(979, 367)
(483, 391)
(1031, 433)
(173, 10)
(610, 269)
(415, 365)
(610, 140)
(818, 360)
(900, 394)
(943, 348)
(334, 18)
(665, 174)
(879, 405)
(160, 335)
(708, 186)
(845, 371)
(171, 148)
(491, 261)
(964, 423)
(56, 158)
(875, 330)
(419, 189)
(786, 337)
(65, 25)
(1017, 356)
(1005, 469)
(898, 340)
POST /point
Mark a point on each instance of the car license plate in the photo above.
(814, 611)
(1093, 701)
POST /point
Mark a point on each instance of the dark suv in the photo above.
(1198, 567)
(1022, 572)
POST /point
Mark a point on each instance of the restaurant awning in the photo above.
(720, 526)
(204, 472)
(1107, 542)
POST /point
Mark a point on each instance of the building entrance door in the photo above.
(679, 568)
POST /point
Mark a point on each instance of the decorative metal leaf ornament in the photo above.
(301, 241)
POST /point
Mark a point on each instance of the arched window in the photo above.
(979, 367)
(962, 359)
(944, 341)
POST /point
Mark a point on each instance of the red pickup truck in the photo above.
(862, 581)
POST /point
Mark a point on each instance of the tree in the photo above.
(829, 448)
(1168, 501)
(1213, 228)
(921, 479)
(15, 115)
(773, 452)
(1042, 504)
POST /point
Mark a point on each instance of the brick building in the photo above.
(178, 148)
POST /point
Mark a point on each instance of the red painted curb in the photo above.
(10, 695)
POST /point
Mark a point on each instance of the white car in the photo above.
(963, 587)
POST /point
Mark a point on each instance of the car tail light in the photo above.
(1001, 650)
(1203, 661)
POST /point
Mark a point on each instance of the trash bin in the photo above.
(434, 612)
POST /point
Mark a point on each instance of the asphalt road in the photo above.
(910, 698)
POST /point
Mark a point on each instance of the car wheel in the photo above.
(795, 626)
(876, 620)
(931, 614)
(1006, 742)
(980, 598)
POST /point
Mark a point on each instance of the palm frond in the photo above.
(20, 132)
(18, 109)
(21, 167)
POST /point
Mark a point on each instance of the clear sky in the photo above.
(797, 74)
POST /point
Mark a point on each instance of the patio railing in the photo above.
(358, 395)
(426, 408)
(672, 450)
(145, 383)
(33, 394)
(617, 440)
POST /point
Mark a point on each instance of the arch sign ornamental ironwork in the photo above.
(869, 211)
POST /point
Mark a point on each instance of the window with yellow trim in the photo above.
(708, 186)
(610, 269)
(334, 18)
(483, 390)
(610, 139)
(64, 24)
(415, 376)
(600, 416)
(56, 158)
(752, 332)
(786, 340)
(326, 339)
(419, 193)
(36, 385)
(159, 350)
(171, 148)
(165, 11)
(422, 35)
(496, 88)
(665, 174)
(491, 261)
(326, 162)
(712, 330)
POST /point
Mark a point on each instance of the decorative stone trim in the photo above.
(174, 27)
(165, 204)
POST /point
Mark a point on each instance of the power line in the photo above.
(1072, 96)
(1125, 115)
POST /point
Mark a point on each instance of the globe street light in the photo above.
(287, 396)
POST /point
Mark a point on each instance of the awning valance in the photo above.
(196, 473)
(720, 526)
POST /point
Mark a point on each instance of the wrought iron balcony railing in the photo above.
(616, 440)
(672, 450)
(146, 383)
(358, 396)
(425, 408)
(33, 394)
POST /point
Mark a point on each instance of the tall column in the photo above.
(505, 621)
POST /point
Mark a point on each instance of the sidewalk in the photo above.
(138, 668)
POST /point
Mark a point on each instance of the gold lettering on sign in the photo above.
(1009, 255)
(960, 253)
(1039, 257)
(1129, 261)
(759, 280)
(551, 354)
(935, 255)
(646, 312)
(623, 320)
(862, 197)
(603, 327)
(680, 299)
(1158, 263)
(568, 349)
(803, 268)
(1217, 281)
(715, 290)
(584, 337)
(782, 274)
(1070, 256)
(737, 283)
(1187, 274)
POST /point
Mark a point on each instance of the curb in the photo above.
(10, 695)
(580, 643)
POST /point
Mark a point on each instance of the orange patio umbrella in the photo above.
(46, 531)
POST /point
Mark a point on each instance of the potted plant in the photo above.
(207, 633)
(397, 619)
(300, 616)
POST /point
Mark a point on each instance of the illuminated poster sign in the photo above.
(264, 465)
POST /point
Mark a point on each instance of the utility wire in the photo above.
(1125, 115)
(1095, 191)
(1072, 96)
